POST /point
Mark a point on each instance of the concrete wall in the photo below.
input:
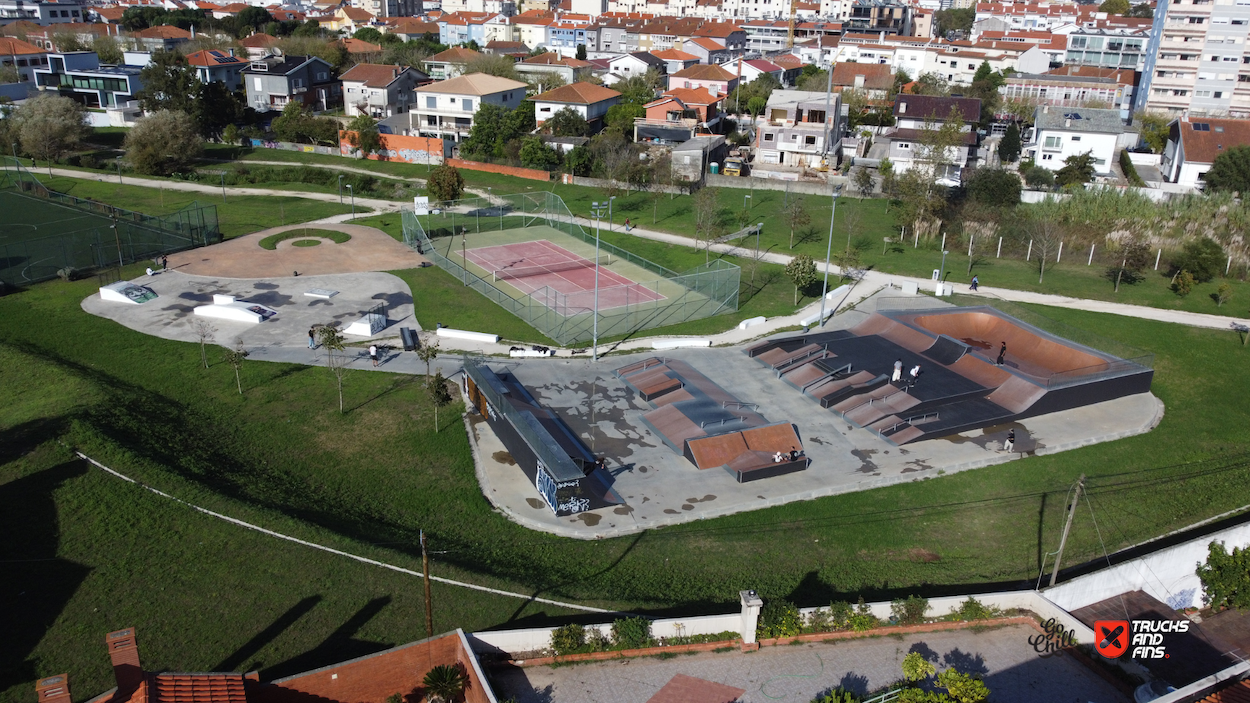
(289, 146)
(1168, 574)
(397, 147)
(722, 181)
(530, 173)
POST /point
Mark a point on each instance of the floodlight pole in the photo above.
(340, 189)
(746, 199)
(597, 209)
(824, 288)
(610, 199)
(352, 191)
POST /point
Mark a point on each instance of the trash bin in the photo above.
(715, 168)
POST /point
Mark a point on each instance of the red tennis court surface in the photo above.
(575, 286)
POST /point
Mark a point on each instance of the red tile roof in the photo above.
(212, 57)
(163, 31)
(694, 96)
(705, 72)
(456, 54)
(1219, 135)
(356, 14)
(674, 55)
(877, 76)
(10, 46)
(374, 75)
(259, 40)
(708, 43)
(578, 94)
(360, 46)
(196, 688)
(110, 14)
(551, 58)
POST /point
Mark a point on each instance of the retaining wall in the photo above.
(531, 173)
(397, 147)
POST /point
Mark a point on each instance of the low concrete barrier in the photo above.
(680, 343)
(751, 322)
(464, 334)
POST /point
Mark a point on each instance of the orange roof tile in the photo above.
(578, 93)
(456, 54)
(374, 75)
(212, 57)
(259, 40)
(10, 46)
(163, 31)
(360, 46)
(196, 688)
(705, 72)
(694, 96)
(1219, 135)
(674, 55)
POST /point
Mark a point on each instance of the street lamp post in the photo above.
(610, 199)
(352, 192)
(340, 189)
(597, 209)
(824, 289)
(942, 274)
(746, 199)
(223, 186)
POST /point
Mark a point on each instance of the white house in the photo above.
(445, 109)
(378, 90)
(1059, 133)
(636, 64)
(1194, 143)
(586, 99)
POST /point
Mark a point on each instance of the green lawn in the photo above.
(238, 215)
(88, 554)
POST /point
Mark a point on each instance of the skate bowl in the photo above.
(1030, 352)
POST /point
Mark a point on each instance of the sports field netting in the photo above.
(43, 231)
(634, 293)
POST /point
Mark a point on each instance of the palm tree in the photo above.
(445, 682)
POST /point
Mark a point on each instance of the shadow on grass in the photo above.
(340, 646)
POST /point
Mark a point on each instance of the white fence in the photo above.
(1170, 575)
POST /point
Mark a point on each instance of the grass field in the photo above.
(93, 554)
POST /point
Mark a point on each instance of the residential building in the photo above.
(636, 64)
(450, 63)
(259, 45)
(161, 38)
(1060, 133)
(80, 75)
(565, 37)
(570, 69)
(873, 80)
(586, 99)
(880, 16)
(1194, 144)
(380, 90)
(348, 19)
(799, 128)
(749, 69)
(1194, 60)
(675, 60)
(40, 12)
(359, 49)
(23, 56)
(388, 8)
(1070, 86)
(445, 109)
(929, 111)
(274, 81)
(693, 157)
(714, 79)
(514, 49)
(678, 115)
(766, 35)
(411, 28)
(213, 65)
(1107, 48)
(821, 51)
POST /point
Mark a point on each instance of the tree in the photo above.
(1183, 283)
(169, 83)
(581, 52)
(938, 147)
(9, 74)
(1202, 257)
(615, 157)
(795, 215)
(1046, 234)
(916, 668)
(369, 34)
(1115, 7)
(567, 123)
(48, 126)
(230, 135)
(707, 217)
(1009, 147)
(802, 273)
(888, 180)
(1134, 257)
(1225, 577)
(215, 109)
(863, 181)
(994, 187)
(492, 65)
(1154, 131)
(1038, 177)
(362, 135)
(1142, 10)
(1230, 171)
(235, 358)
(253, 17)
(428, 352)
(640, 90)
(336, 358)
(436, 386)
(163, 143)
(445, 681)
(107, 48)
(620, 118)
(756, 105)
(445, 183)
(1078, 169)
(931, 83)
(960, 687)
(205, 333)
(954, 20)
(535, 154)
(1223, 294)
(579, 161)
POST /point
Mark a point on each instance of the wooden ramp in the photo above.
(749, 454)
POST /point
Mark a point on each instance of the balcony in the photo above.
(685, 122)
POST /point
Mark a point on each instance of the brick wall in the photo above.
(372, 678)
(530, 173)
(397, 147)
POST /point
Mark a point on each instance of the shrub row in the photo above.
(627, 633)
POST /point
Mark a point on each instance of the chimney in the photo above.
(124, 653)
(859, 82)
(902, 106)
(232, 51)
(1067, 123)
(1046, 109)
(54, 689)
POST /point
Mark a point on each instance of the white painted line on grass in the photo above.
(332, 550)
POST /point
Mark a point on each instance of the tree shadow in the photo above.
(806, 236)
(924, 650)
(965, 662)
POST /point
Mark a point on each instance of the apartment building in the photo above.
(446, 109)
(1194, 61)
(39, 12)
(1107, 48)
(794, 126)
(379, 90)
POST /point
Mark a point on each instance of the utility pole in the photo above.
(425, 576)
(1080, 484)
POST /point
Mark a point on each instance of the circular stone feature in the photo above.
(305, 242)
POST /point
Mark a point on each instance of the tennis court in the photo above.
(532, 266)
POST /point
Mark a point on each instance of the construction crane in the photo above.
(794, 11)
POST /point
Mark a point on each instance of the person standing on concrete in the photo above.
(975, 282)
(1010, 444)
(898, 371)
(915, 374)
(373, 353)
(312, 338)
(1002, 354)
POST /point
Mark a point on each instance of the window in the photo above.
(1217, 94)
(256, 83)
(1076, 139)
(794, 137)
(1047, 157)
(768, 137)
(321, 76)
(904, 145)
(810, 141)
(467, 104)
(1202, 94)
(431, 102)
(1053, 143)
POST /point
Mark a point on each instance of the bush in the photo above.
(631, 633)
(568, 638)
(163, 142)
(1224, 577)
(1130, 171)
(863, 619)
(1203, 258)
(973, 609)
(779, 619)
(909, 611)
(840, 613)
(88, 161)
(837, 695)
(994, 186)
(1038, 177)
(445, 183)
(1183, 283)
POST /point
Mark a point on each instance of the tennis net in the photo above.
(527, 271)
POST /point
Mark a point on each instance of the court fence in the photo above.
(83, 234)
(669, 297)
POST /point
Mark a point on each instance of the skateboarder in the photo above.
(373, 353)
(1002, 354)
(1010, 444)
(898, 371)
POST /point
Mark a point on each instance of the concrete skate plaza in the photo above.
(660, 487)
